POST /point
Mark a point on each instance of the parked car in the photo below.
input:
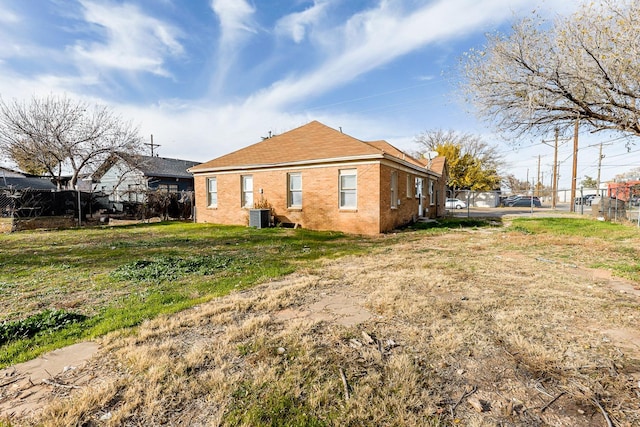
(507, 200)
(585, 200)
(524, 201)
(455, 204)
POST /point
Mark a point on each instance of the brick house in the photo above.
(321, 179)
(436, 208)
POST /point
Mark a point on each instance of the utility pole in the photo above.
(600, 157)
(554, 183)
(574, 177)
(152, 145)
(537, 193)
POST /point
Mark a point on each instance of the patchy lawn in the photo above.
(119, 276)
(534, 324)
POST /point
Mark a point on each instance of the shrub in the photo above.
(48, 320)
(171, 267)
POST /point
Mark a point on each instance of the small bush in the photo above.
(171, 267)
(48, 320)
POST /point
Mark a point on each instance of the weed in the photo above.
(453, 223)
(273, 407)
(48, 320)
(171, 267)
(519, 229)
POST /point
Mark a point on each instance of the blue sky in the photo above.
(207, 77)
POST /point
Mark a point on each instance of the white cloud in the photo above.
(236, 26)
(295, 25)
(134, 41)
(7, 16)
(9, 21)
(235, 18)
(378, 36)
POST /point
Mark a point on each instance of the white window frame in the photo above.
(420, 184)
(212, 192)
(345, 190)
(394, 189)
(292, 191)
(169, 188)
(246, 182)
(410, 188)
(134, 193)
(432, 200)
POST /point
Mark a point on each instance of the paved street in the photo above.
(561, 210)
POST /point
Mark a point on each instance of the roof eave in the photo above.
(412, 165)
(195, 170)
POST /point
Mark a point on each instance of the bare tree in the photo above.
(473, 163)
(633, 174)
(471, 144)
(516, 185)
(58, 134)
(583, 67)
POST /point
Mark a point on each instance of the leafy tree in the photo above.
(473, 163)
(540, 76)
(589, 182)
(23, 155)
(57, 135)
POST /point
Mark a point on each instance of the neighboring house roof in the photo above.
(390, 149)
(149, 166)
(438, 164)
(6, 172)
(22, 183)
(311, 143)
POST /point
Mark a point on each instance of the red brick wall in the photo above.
(407, 208)
(320, 204)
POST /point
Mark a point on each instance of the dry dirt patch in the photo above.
(451, 329)
(26, 387)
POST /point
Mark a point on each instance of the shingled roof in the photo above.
(163, 167)
(385, 147)
(23, 183)
(313, 142)
(150, 166)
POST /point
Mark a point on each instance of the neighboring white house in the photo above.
(126, 178)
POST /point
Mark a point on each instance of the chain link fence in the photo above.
(23, 204)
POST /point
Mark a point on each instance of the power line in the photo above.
(347, 101)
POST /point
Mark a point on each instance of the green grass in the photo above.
(274, 406)
(579, 227)
(118, 277)
(596, 244)
(453, 223)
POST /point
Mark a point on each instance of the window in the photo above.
(212, 192)
(348, 183)
(170, 188)
(135, 193)
(409, 187)
(295, 190)
(394, 189)
(431, 193)
(247, 191)
(419, 187)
